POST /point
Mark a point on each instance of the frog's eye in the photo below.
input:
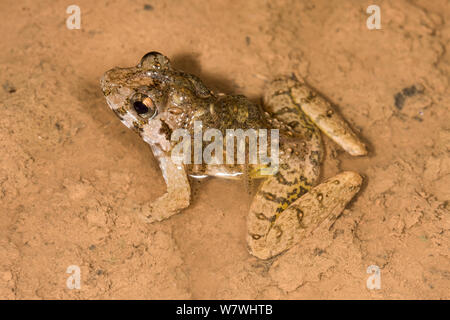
(140, 107)
(154, 60)
(143, 105)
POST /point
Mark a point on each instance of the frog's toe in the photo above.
(147, 217)
(143, 211)
(151, 213)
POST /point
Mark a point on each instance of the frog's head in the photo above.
(152, 91)
(135, 94)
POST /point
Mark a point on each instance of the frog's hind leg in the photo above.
(269, 236)
(279, 102)
(306, 141)
(318, 110)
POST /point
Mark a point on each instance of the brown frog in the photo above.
(155, 100)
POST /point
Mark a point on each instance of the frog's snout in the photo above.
(104, 83)
(107, 81)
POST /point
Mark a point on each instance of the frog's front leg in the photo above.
(177, 196)
(271, 233)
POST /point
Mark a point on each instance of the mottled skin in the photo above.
(154, 99)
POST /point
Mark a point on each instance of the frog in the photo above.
(155, 99)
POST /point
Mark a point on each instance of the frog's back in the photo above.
(233, 115)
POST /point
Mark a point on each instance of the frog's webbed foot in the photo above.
(269, 236)
(317, 109)
(174, 200)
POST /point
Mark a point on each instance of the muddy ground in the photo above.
(69, 168)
